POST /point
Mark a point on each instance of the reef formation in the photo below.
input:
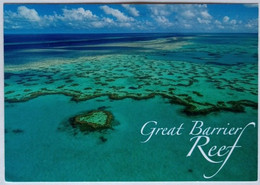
(201, 88)
(92, 121)
(197, 75)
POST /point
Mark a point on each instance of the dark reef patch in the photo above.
(92, 121)
(187, 101)
(17, 131)
(103, 139)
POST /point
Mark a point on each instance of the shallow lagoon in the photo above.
(170, 79)
(47, 143)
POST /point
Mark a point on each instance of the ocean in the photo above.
(151, 84)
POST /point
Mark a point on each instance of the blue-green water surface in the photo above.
(138, 78)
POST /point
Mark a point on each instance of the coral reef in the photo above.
(93, 121)
(189, 84)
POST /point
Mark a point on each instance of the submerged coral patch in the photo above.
(93, 121)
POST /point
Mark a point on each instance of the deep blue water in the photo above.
(20, 49)
(46, 41)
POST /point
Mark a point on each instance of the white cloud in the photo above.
(159, 10)
(29, 14)
(103, 23)
(203, 5)
(78, 14)
(203, 21)
(24, 17)
(108, 20)
(184, 16)
(252, 24)
(205, 15)
(226, 19)
(132, 10)
(156, 17)
(98, 24)
(219, 24)
(162, 20)
(187, 26)
(233, 22)
(188, 14)
(116, 13)
(159, 13)
(125, 24)
(15, 27)
(79, 18)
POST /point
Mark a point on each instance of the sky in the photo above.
(134, 18)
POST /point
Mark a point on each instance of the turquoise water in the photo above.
(48, 147)
(167, 78)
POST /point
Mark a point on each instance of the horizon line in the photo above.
(132, 33)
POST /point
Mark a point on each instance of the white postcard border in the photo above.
(2, 161)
